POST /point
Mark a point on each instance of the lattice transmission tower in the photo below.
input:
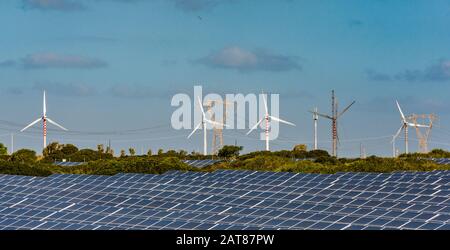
(217, 138)
(424, 135)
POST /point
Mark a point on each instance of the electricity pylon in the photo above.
(217, 138)
(423, 137)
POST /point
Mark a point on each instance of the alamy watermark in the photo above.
(235, 111)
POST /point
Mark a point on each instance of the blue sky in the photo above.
(110, 67)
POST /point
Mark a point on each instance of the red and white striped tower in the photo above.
(44, 122)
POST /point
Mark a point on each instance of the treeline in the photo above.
(103, 162)
(331, 165)
(319, 161)
(130, 165)
(435, 153)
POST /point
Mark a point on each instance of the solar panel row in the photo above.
(68, 164)
(445, 161)
(227, 200)
(201, 163)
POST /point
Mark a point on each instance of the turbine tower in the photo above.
(315, 118)
(404, 127)
(334, 118)
(267, 118)
(44, 120)
(203, 124)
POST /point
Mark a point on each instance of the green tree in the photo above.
(123, 153)
(318, 153)
(53, 152)
(86, 155)
(53, 148)
(100, 148)
(24, 155)
(69, 149)
(171, 153)
(149, 152)
(132, 151)
(229, 151)
(160, 151)
(3, 149)
(300, 147)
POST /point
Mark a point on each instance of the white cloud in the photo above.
(53, 60)
(244, 60)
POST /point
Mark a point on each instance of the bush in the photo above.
(16, 168)
(24, 156)
(130, 165)
(3, 149)
(228, 151)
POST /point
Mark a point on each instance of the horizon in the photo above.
(112, 79)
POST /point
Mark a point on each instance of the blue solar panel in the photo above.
(226, 199)
(444, 161)
(201, 163)
(68, 164)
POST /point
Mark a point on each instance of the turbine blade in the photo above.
(201, 106)
(254, 127)
(195, 129)
(281, 120)
(401, 112)
(322, 115)
(31, 124)
(56, 124)
(343, 111)
(44, 106)
(216, 123)
(417, 125)
(396, 134)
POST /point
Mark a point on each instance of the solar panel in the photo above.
(444, 161)
(201, 163)
(68, 163)
(227, 199)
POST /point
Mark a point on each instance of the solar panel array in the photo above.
(227, 199)
(68, 163)
(445, 161)
(201, 163)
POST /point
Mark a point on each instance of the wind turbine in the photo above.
(203, 124)
(267, 118)
(44, 120)
(404, 127)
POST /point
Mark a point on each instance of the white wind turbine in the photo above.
(267, 118)
(404, 127)
(203, 124)
(44, 120)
